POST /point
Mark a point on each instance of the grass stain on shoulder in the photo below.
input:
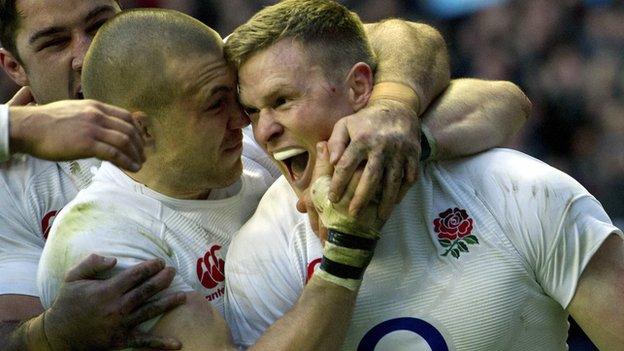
(78, 219)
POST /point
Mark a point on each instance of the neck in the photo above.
(167, 181)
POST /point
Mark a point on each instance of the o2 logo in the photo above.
(428, 332)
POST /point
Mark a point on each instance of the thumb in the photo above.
(90, 267)
(22, 98)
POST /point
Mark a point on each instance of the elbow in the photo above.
(517, 98)
(518, 106)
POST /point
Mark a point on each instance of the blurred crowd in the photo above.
(567, 55)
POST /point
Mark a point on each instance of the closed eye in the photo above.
(54, 43)
(279, 102)
(217, 105)
(94, 28)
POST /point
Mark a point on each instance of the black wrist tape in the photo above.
(351, 241)
(341, 270)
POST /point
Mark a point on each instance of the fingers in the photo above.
(137, 296)
(107, 152)
(411, 178)
(130, 139)
(147, 341)
(90, 267)
(135, 275)
(392, 184)
(322, 167)
(23, 97)
(155, 308)
(368, 185)
(114, 111)
(338, 141)
(348, 163)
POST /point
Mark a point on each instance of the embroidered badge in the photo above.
(454, 228)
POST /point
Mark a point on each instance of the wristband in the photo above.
(350, 243)
(396, 92)
(4, 133)
(428, 144)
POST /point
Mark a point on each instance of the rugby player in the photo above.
(490, 252)
(179, 207)
(43, 47)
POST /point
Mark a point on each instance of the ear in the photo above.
(13, 68)
(360, 84)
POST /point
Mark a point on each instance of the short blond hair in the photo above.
(332, 36)
(130, 62)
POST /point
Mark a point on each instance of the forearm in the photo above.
(319, 320)
(412, 54)
(23, 336)
(20, 117)
(475, 115)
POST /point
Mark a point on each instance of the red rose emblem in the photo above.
(452, 224)
(454, 228)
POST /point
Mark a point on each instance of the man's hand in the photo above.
(75, 129)
(92, 314)
(387, 135)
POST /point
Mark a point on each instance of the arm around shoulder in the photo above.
(413, 54)
(473, 115)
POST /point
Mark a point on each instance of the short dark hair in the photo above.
(9, 21)
(332, 35)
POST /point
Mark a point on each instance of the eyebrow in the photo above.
(57, 29)
(274, 92)
(215, 90)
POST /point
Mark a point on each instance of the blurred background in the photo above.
(567, 55)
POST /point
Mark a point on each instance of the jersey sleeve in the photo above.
(4, 133)
(86, 227)
(553, 222)
(264, 272)
(21, 240)
(582, 229)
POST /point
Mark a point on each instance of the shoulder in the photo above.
(109, 206)
(272, 225)
(501, 172)
(21, 170)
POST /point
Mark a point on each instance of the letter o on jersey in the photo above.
(428, 332)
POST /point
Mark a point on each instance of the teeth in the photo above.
(286, 154)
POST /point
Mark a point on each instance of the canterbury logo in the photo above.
(46, 223)
(210, 268)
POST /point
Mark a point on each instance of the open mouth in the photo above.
(295, 160)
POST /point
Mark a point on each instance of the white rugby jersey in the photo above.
(32, 192)
(119, 217)
(483, 253)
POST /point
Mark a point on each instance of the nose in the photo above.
(267, 128)
(80, 47)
